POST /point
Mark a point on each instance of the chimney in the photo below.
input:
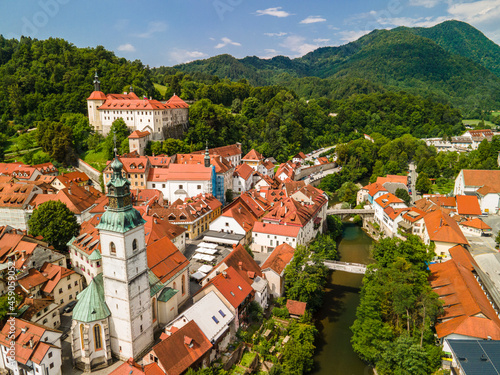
(240, 265)
(31, 342)
(234, 246)
(224, 273)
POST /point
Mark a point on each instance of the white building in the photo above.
(274, 268)
(483, 183)
(160, 119)
(36, 350)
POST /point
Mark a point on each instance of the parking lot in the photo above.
(484, 245)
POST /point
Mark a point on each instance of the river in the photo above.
(334, 354)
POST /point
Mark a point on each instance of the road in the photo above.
(413, 176)
(320, 175)
(317, 153)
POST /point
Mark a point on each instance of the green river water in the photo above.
(334, 354)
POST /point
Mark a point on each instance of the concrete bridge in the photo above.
(352, 211)
(346, 267)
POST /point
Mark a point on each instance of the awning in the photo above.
(198, 275)
(404, 225)
(317, 220)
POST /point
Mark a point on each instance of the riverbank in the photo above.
(334, 353)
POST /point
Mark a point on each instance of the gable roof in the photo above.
(224, 151)
(468, 205)
(91, 305)
(475, 223)
(244, 171)
(387, 200)
(55, 274)
(165, 260)
(240, 260)
(443, 228)
(232, 286)
(281, 256)
(276, 229)
(392, 178)
(296, 307)
(467, 310)
(182, 349)
(479, 178)
(253, 155)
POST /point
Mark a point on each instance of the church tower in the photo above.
(125, 270)
(94, 101)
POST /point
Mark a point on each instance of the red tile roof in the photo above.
(240, 212)
(176, 102)
(175, 356)
(476, 223)
(129, 368)
(281, 230)
(443, 228)
(32, 280)
(296, 307)
(253, 155)
(465, 301)
(241, 261)
(232, 286)
(480, 178)
(224, 151)
(281, 256)
(468, 205)
(27, 337)
(392, 178)
(414, 214)
(165, 260)
(156, 228)
(138, 134)
(374, 188)
(220, 163)
(387, 200)
(54, 274)
(180, 172)
(77, 198)
(97, 95)
(244, 171)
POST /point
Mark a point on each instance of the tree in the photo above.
(229, 196)
(54, 222)
(403, 195)
(81, 129)
(347, 192)
(122, 132)
(56, 139)
(423, 183)
(497, 238)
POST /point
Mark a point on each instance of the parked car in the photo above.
(69, 307)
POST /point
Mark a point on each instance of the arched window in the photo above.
(81, 338)
(97, 337)
(112, 248)
(153, 305)
(183, 284)
(134, 244)
(174, 286)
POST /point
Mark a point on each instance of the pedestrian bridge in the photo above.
(345, 266)
(365, 214)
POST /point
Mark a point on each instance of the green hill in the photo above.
(462, 39)
(447, 68)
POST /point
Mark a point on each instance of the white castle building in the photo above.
(161, 119)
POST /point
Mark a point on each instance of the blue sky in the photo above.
(168, 32)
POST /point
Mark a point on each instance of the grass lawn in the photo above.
(247, 359)
(495, 113)
(443, 186)
(96, 159)
(162, 89)
(475, 122)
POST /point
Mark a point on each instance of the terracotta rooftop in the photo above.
(480, 178)
(253, 155)
(54, 275)
(224, 151)
(467, 310)
(175, 355)
(165, 260)
(244, 171)
(468, 205)
(392, 178)
(276, 229)
(476, 223)
(232, 286)
(241, 261)
(443, 228)
(388, 199)
(296, 307)
(281, 256)
(138, 134)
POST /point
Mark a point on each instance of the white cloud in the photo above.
(275, 12)
(275, 34)
(226, 41)
(313, 19)
(412, 22)
(425, 3)
(126, 48)
(183, 56)
(296, 43)
(153, 28)
(483, 11)
(321, 40)
(352, 35)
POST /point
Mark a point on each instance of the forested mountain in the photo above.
(453, 67)
(42, 79)
(462, 39)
